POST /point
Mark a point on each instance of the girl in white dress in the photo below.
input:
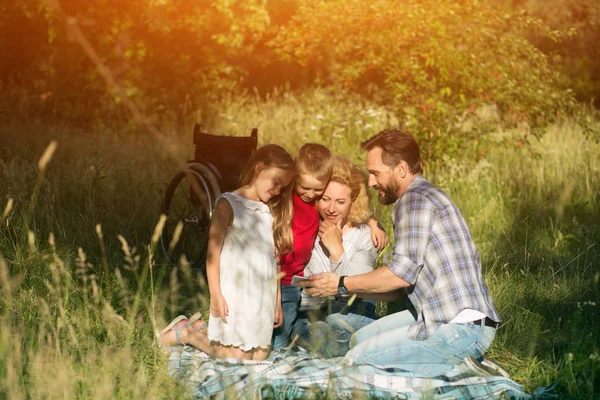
(250, 228)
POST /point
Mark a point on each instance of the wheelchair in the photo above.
(189, 200)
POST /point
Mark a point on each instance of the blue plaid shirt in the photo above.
(434, 253)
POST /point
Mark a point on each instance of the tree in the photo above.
(166, 54)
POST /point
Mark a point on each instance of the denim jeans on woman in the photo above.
(328, 331)
(384, 343)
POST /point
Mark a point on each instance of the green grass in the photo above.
(66, 332)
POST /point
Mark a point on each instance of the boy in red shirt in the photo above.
(314, 166)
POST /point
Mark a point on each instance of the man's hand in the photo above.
(321, 285)
(219, 307)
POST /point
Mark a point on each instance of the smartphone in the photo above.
(298, 278)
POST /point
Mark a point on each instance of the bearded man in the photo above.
(434, 262)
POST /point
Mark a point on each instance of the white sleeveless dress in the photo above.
(248, 277)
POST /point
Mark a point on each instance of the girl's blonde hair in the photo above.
(345, 172)
(274, 156)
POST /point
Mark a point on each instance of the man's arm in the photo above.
(378, 281)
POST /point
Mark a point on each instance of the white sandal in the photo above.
(195, 318)
(170, 327)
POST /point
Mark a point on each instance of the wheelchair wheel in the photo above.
(189, 201)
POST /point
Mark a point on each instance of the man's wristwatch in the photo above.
(342, 290)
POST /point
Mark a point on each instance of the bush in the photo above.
(579, 53)
(435, 62)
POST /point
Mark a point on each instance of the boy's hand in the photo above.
(278, 316)
(378, 235)
(219, 307)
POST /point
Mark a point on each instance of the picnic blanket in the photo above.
(288, 374)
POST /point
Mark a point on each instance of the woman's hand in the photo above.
(278, 316)
(378, 235)
(219, 307)
(331, 237)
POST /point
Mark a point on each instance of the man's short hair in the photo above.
(396, 146)
(315, 160)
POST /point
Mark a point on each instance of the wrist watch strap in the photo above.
(342, 290)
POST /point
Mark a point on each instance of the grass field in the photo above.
(68, 329)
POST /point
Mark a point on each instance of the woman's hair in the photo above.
(274, 156)
(314, 160)
(347, 173)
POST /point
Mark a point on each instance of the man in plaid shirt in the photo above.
(434, 262)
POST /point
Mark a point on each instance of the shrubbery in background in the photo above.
(579, 53)
(435, 63)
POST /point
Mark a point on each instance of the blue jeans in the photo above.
(384, 342)
(328, 332)
(290, 301)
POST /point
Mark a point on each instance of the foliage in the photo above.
(452, 71)
(166, 55)
(435, 62)
(579, 52)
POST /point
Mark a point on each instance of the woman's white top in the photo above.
(248, 277)
(358, 258)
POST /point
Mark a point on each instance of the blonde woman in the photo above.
(343, 246)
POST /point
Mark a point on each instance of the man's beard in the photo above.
(389, 195)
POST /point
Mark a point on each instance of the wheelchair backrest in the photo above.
(229, 154)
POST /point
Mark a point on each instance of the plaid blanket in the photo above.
(299, 375)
